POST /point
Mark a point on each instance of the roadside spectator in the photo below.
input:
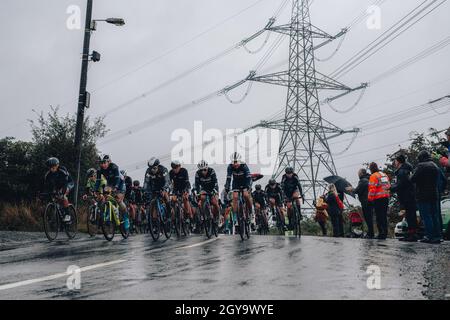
(425, 178)
(335, 207)
(378, 196)
(321, 216)
(362, 190)
(405, 193)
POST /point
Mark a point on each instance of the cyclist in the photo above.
(57, 179)
(179, 178)
(239, 172)
(259, 199)
(274, 195)
(292, 189)
(115, 181)
(128, 184)
(157, 181)
(90, 190)
(206, 182)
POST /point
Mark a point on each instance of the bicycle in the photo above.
(180, 223)
(53, 217)
(112, 219)
(296, 217)
(262, 222)
(94, 218)
(208, 221)
(243, 217)
(275, 212)
(162, 221)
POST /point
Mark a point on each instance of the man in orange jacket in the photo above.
(378, 196)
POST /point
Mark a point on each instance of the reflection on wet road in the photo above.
(225, 268)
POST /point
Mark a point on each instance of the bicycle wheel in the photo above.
(178, 219)
(71, 227)
(167, 223)
(92, 221)
(215, 226)
(51, 221)
(207, 221)
(108, 224)
(279, 222)
(247, 227)
(241, 222)
(125, 232)
(154, 225)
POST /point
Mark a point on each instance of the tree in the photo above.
(22, 164)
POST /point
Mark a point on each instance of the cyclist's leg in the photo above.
(296, 198)
(248, 200)
(235, 201)
(215, 205)
(187, 206)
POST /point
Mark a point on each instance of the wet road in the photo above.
(225, 268)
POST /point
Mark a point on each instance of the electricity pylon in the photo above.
(304, 142)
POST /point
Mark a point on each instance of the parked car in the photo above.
(401, 228)
(445, 210)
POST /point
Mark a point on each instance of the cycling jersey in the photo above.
(90, 185)
(260, 198)
(275, 193)
(241, 177)
(59, 180)
(206, 182)
(113, 177)
(128, 187)
(137, 195)
(157, 182)
(291, 185)
(180, 180)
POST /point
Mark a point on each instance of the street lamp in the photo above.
(84, 96)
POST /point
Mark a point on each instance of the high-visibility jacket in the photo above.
(379, 186)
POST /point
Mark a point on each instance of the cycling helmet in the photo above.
(272, 182)
(153, 162)
(202, 165)
(258, 187)
(51, 162)
(91, 172)
(136, 183)
(289, 170)
(175, 164)
(235, 157)
(104, 158)
(123, 172)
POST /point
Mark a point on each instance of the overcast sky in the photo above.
(40, 66)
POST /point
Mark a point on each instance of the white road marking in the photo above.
(198, 244)
(447, 295)
(87, 268)
(56, 276)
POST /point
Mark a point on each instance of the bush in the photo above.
(20, 217)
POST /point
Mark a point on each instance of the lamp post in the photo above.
(83, 100)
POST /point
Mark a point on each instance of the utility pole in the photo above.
(90, 25)
(82, 95)
(304, 142)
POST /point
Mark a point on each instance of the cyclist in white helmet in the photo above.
(239, 173)
(206, 182)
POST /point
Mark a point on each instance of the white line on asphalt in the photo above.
(198, 244)
(447, 295)
(56, 276)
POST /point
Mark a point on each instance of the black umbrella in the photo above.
(341, 184)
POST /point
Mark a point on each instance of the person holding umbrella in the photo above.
(335, 207)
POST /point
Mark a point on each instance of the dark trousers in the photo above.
(411, 215)
(338, 224)
(380, 206)
(368, 217)
(323, 226)
(429, 214)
